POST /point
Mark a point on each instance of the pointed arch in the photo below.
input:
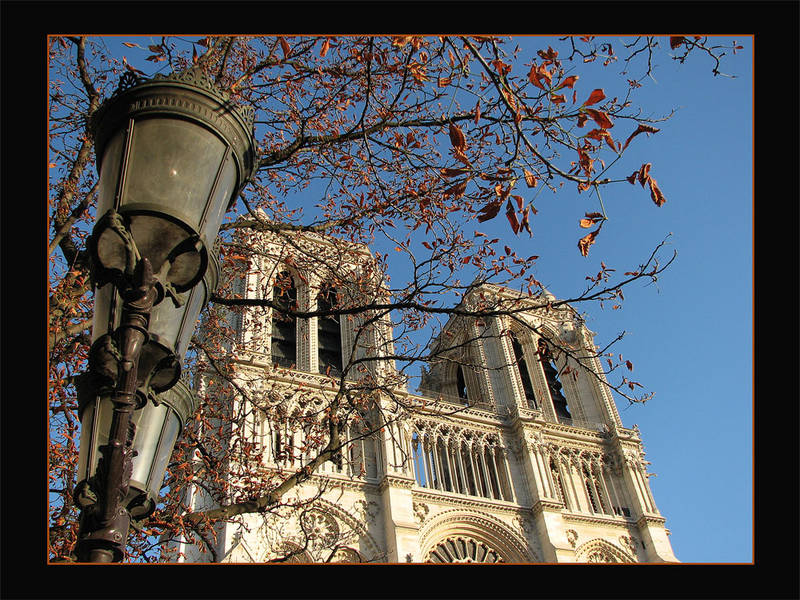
(283, 341)
(329, 333)
(454, 528)
(599, 550)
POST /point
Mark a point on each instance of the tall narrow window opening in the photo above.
(329, 335)
(461, 383)
(522, 367)
(284, 327)
(553, 383)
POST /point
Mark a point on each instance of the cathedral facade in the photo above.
(509, 450)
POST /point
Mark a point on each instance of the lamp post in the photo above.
(173, 152)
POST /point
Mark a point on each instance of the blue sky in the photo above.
(690, 335)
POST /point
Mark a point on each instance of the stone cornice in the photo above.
(452, 499)
(651, 520)
(543, 505)
(609, 520)
(394, 481)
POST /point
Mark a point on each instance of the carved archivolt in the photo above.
(463, 549)
(602, 551)
(493, 534)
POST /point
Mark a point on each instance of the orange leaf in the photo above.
(560, 99)
(443, 81)
(512, 217)
(325, 47)
(453, 172)
(537, 74)
(477, 111)
(640, 129)
(586, 241)
(569, 82)
(457, 138)
(655, 192)
(600, 118)
(592, 219)
(600, 135)
(582, 118)
(595, 97)
(530, 178)
(285, 47)
(643, 174)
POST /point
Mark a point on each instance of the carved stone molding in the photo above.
(628, 543)
(542, 505)
(510, 545)
(602, 551)
(421, 511)
(394, 481)
(572, 537)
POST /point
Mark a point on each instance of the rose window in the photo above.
(320, 528)
(463, 550)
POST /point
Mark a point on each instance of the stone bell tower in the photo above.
(512, 450)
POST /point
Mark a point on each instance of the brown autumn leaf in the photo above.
(325, 47)
(600, 135)
(595, 97)
(285, 47)
(477, 112)
(512, 217)
(453, 172)
(558, 99)
(456, 190)
(582, 118)
(489, 211)
(643, 174)
(461, 157)
(526, 223)
(586, 241)
(592, 218)
(530, 178)
(443, 81)
(600, 118)
(569, 82)
(457, 138)
(655, 192)
(641, 129)
(675, 41)
(539, 74)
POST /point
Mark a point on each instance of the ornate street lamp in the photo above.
(173, 152)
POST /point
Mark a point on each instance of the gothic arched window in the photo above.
(553, 384)
(522, 368)
(461, 383)
(284, 327)
(329, 334)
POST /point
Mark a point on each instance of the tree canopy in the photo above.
(408, 145)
